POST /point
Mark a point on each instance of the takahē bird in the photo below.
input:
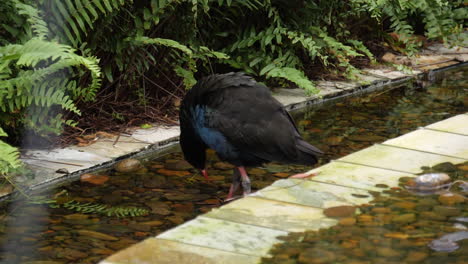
(239, 119)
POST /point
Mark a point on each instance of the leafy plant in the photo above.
(53, 50)
(38, 75)
(441, 19)
(103, 209)
(9, 156)
(86, 208)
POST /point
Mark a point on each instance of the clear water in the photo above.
(397, 226)
(173, 193)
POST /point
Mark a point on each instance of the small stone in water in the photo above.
(340, 211)
(94, 179)
(404, 218)
(396, 235)
(446, 210)
(451, 199)
(97, 235)
(446, 243)
(432, 216)
(416, 256)
(360, 195)
(460, 226)
(140, 227)
(445, 167)
(153, 223)
(381, 185)
(62, 171)
(428, 182)
(175, 219)
(461, 219)
(178, 165)
(173, 173)
(316, 255)
(404, 205)
(381, 210)
(348, 221)
(128, 165)
(76, 216)
(72, 254)
(387, 252)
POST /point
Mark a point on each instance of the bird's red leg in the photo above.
(205, 174)
(245, 180)
(232, 190)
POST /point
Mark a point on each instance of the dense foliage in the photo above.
(55, 55)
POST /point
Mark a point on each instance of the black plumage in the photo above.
(238, 118)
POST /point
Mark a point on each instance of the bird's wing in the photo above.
(256, 123)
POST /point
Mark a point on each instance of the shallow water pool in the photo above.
(83, 222)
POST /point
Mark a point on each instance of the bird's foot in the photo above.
(246, 186)
(232, 190)
(233, 198)
(304, 175)
(205, 174)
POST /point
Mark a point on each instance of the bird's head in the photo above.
(196, 159)
(194, 150)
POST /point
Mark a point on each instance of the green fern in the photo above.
(38, 25)
(160, 41)
(9, 156)
(76, 18)
(295, 76)
(103, 209)
(39, 74)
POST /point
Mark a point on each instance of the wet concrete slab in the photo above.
(434, 142)
(225, 235)
(398, 159)
(457, 124)
(356, 176)
(314, 194)
(163, 251)
(113, 147)
(273, 214)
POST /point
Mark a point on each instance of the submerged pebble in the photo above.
(447, 243)
(128, 165)
(428, 183)
(340, 211)
(451, 198)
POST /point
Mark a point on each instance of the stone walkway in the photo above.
(75, 160)
(243, 231)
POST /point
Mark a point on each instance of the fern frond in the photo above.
(76, 18)
(38, 25)
(141, 40)
(105, 209)
(295, 76)
(37, 75)
(9, 156)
